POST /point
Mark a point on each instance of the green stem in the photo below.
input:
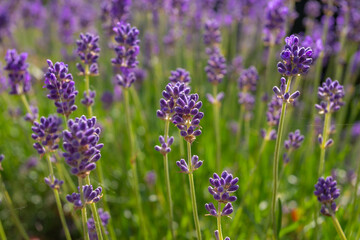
(13, 214)
(2, 232)
(87, 88)
(240, 123)
(219, 221)
(192, 194)
(338, 227)
(216, 105)
(57, 199)
(325, 138)
(25, 102)
(83, 210)
(167, 180)
(97, 221)
(276, 159)
(133, 164)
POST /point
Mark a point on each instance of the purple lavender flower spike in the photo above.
(19, 78)
(2, 157)
(81, 146)
(293, 142)
(355, 130)
(236, 66)
(104, 217)
(31, 117)
(164, 147)
(212, 36)
(285, 96)
(195, 164)
(296, 60)
(326, 192)
(216, 69)
(180, 75)
(88, 50)
(88, 100)
(33, 14)
(46, 133)
(275, 21)
(211, 209)
(53, 183)
(312, 9)
(332, 94)
(223, 186)
(67, 24)
(315, 44)
(61, 87)
(247, 86)
(90, 196)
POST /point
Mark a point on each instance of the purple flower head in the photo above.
(312, 9)
(61, 87)
(282, 94)
(217, 237)
(46, 133)
(331, 93)
(355, 130)
(222, 186)
(164, 147)
(107, 99)
(195, 164)
(275, 21)
(53, 182)
(216, 69)
(293, 142)
(126, 79)
(215, 100)
(236, 66)
(88, 100)
(248, 79)
(315, 44)
(180, 75)
(169, 101)
(2, 157)
(326, 192)
(212, 36)
(88, 50)
(177, 8)
(150, 178)
(274, 111)
(187, 117)
(227, 210)
(128, 46)
(247, 100)
(104, 217)
(18, 76)
(33, 115)
(67, 24)
(296, 60)
(90, 196)
(81, 146)
(33, 14)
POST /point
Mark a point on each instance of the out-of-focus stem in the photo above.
(167, 180)
(133, 164)
(338, 227)
(87, 87)
(326, 129)
(341, 56)
(25, 102)
(192, 194)
(276, 159)
(240, 123)
(219, 221)
(2, 232)
(216, 106)
(83, 210)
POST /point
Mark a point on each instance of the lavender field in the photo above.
(179, 119)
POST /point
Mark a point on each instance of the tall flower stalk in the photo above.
(296, 60)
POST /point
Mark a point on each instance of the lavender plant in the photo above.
(293, 142)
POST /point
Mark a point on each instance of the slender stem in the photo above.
(276, 159)
(95, 213)
(338, 227)
(133, 164)
(83, 210)
(2, 232)
(26, 103)
(57, 199)
(13, 214)
(219, 221)
(240, 123)
(325, 138)
(87, 87)
(167, 180)
(216, 106)
(192, 194)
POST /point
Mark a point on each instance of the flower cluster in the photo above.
(53, 182)
(88, 50)
(88, 100)
(215, 100)
(282, 94)
(187, 117)
(61, 87)
(180, 75)
(212, 36)
(296, 60)
(332, 94)
(326, 192)
(247, 86)
(293, 142)
(18, 76)
(164, 147)
(90, 196)
(272, 118)
(195, 164)
(46, 133)
(104, 218)
(275, 21)
(216, 69)
(81, 145)
(33, 115)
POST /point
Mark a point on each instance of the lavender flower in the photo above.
(33, 14)
(276, 13)
(223, 186)
(220, 96)
(326, 192)
(33, 115)
(81, 146)
(216, 69)
(61, 87)
(312, 9)
(195, 164)
(355, 130)
(212, 37)
(90, 196)
(180, 75)
(18, 76)
(67, 24)
(188, 116)
(293, 142)
(285, 96)
(104, 217)
(164, 147)
(272, 118)
(247, 86)
(315, 44)
(2, 157)
(296, 60)
(150, 178)
(88, 51)
(236, 66)
(107, 99)
(53, 183)
(332, 94)
(88, 100)
(46, 133)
